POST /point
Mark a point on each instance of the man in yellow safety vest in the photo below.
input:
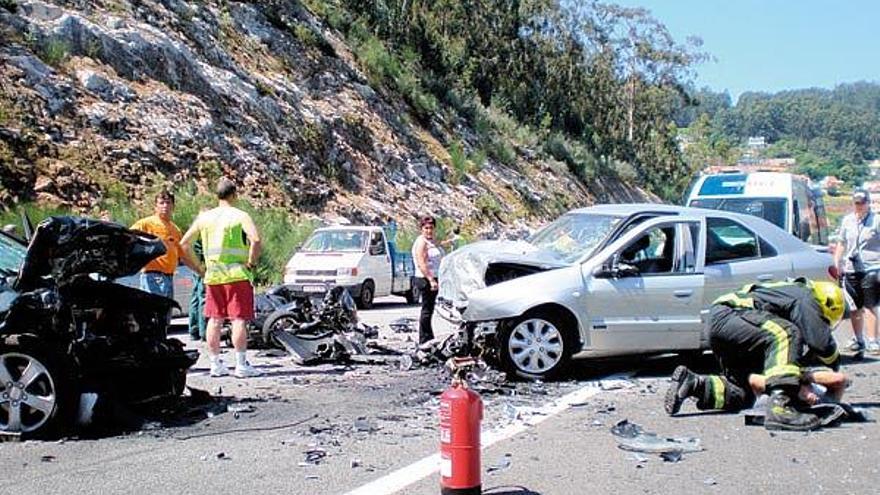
(231, 246)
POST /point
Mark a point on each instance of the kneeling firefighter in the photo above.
(771, 329)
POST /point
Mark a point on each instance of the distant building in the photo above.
(778, 162)
(753, 164)
(756, 142)
(683, 140)
(872, 186)
(874, 168)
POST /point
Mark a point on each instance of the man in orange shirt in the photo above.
(158, 276)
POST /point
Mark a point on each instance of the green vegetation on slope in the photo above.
(605, 79)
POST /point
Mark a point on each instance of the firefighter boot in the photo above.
(781, 415)
(685, 383)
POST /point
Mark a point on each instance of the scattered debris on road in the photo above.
(631, 437)
(404, 325)
(313, 457)
(363, 425)
(220, 456)
(502, 464)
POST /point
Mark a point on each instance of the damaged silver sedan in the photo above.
(67, 331)
(611, 280)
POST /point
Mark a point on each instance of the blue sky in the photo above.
(773, 45)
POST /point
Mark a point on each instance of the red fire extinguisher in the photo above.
(461, 411)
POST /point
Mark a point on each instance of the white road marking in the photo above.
(421, 469)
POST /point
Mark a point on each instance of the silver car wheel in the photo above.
(535, 346)
(28, 395)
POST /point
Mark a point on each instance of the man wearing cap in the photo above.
(857, 250)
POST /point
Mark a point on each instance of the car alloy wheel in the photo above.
(535, 346)
(28, 396)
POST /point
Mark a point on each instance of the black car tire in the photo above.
(513, 334)
(54, 379)
(365, 300)
(277, 321)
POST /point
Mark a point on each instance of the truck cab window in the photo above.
(377, 244)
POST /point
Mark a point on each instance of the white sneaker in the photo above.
(219, 369)
(246, 371)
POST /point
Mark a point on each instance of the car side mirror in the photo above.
(626, 270)
(376, 249)
(614, 268)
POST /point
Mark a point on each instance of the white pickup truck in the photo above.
(359, 258)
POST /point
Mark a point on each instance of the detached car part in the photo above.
(67, 329)
(314, 334)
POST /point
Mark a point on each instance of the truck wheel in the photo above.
(36, 393)
(365, 301)
(414, 296)
(535, 346)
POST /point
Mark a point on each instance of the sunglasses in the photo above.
(859, 202)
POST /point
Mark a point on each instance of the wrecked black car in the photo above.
(66, 329)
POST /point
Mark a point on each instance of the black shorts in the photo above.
(863, 288)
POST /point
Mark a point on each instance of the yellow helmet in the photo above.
(830, 298)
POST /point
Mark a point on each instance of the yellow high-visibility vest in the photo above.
(225, 249)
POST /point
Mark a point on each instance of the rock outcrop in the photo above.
(98, 95)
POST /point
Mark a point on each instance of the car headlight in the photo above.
(347, 272)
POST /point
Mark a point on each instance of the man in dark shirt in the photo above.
(773, 330)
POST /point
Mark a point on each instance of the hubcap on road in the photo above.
(28, 397)
(535, 346)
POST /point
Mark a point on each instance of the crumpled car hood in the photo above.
(64, 247)
(464, 270)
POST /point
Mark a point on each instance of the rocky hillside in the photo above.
(104, 99)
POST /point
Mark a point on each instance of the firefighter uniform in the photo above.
(772, 329)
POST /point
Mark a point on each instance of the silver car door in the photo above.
(656, 309)
(734, 256)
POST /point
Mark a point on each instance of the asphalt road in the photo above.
(370, 428)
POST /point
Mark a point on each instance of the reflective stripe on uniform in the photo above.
(741, 298)
(780, 351)
(735, 300)
(830, 359)
(716, 384)
(225, 250)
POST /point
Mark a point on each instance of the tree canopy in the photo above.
(607, 76)
(829, 131)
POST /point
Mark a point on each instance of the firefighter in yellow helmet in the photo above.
(775, 330)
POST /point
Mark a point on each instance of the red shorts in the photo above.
(234, 301)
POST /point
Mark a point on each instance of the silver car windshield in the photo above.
(574, 235)
(336, 240)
